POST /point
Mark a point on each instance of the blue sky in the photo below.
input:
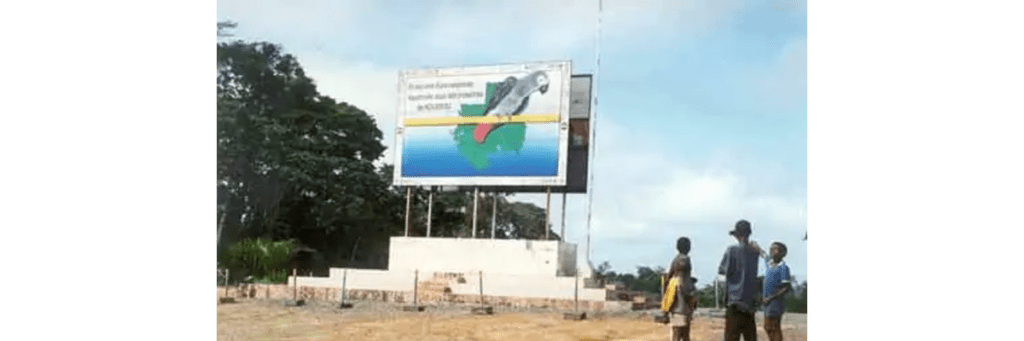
(702, 115)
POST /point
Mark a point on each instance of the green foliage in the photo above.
(796, 300)
(261, 258)
(647, 279)
(291, 162)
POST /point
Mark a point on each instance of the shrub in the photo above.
(263, 259)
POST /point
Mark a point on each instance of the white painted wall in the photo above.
(494, 284)
(519, 257)
(517, 268)
(498, 284)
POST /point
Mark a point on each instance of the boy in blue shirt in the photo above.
(776, 285)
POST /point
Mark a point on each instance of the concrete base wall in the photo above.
(457, 283)
(450, 269)
(520, 257)
(287, 292)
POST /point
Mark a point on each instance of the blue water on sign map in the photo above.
(443, 159)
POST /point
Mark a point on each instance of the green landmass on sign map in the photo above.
(507, 137)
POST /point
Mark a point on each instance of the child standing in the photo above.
(680, 286)
(776, 285)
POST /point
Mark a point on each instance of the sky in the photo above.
(701, 117)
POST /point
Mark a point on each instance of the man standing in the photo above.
(739, 266)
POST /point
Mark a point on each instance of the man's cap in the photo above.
(742, 228)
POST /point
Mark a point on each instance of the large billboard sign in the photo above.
(498, 125)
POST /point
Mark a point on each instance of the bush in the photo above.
(263, 259)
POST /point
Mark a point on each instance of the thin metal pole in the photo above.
(576, 293)
(430, 209)
(476, 196)
(564, 197)
(494, 213)
(547, 217)
(593, 126)
(295, 286)
(227, 274)
(408, 207)
(716, 292)
(415, 288)
(481, 288)
(344, 280)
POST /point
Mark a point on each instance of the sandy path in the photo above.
(271, 320)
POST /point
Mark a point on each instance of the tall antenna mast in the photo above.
(593, 128)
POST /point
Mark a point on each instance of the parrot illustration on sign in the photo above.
(510, 98)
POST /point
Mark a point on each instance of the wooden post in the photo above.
(481, 288)
(575, 315)
(547, 217)
(430, 209)
(576, 293)
(494, 213)
(344, 281)
(408, 207)
(415, 294)
(661, 288)
(476, 195)
(716, 292)
(564, 197)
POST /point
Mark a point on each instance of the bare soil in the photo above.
(250, 319)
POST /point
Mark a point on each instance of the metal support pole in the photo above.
(415, 289)
(576, 293)
(430, 209)
(716, 292)
(547, 217)
(408, 207)
(476, 196)
(494, 213)
(562, 235)
(481, 288)
(295, 290)
(344, 280)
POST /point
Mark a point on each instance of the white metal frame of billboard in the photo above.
(500, 72)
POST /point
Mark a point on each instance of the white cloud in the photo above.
(641, 188)
(783, 84)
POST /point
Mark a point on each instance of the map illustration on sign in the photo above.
(484, 125)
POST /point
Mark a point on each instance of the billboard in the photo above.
(578, 151)
(496, 125)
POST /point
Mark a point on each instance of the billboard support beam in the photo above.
(408, 206)
(476, 195)
(562, 235)
(547, 217)
(430, 209)
(494, 213)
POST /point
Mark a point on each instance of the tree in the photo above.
(223, 26)
(291, 162)
(796, 300)
(647, 279)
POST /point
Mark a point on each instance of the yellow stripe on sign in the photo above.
(449, 121)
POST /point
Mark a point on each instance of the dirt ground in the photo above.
(370, 321)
